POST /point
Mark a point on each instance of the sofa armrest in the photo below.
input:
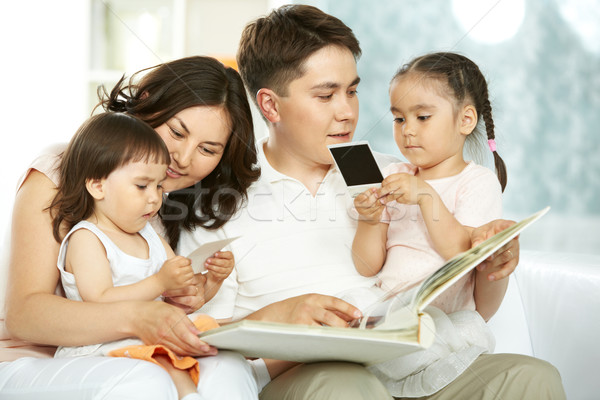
(560, 298)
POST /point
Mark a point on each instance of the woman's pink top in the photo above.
(11, 349)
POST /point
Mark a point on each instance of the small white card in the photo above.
(205, 251)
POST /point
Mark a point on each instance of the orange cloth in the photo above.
(205, 323)
(149, 352)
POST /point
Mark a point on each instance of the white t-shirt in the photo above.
(292, 244)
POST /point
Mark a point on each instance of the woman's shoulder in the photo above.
(46, 163)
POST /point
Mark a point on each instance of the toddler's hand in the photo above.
(176, 273)
(219, 266)
(368, 206)
(404, 188)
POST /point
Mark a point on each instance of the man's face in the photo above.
(321, 107)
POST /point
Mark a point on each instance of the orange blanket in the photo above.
(149, 352)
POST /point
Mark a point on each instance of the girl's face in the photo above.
(129, 196)
(196, 138)
(427, 129)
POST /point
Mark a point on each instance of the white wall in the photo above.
(43, 73)
(45, 50)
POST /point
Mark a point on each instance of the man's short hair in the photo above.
(273, 48)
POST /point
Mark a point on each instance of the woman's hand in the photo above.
(160, 323)
(309, 309)
(504, 261)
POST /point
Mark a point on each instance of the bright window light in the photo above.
(489, 21)
(583, 17)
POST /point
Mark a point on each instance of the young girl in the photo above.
(110, 188)
(424, 211)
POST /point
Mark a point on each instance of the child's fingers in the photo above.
(226, 255)
(219, 261)
(222, 270)
(179, 261)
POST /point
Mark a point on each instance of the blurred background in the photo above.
(542, 61)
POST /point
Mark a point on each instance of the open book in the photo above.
(391, 327)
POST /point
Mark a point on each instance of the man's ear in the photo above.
(468, 120)
(267, 103)
(95, 188)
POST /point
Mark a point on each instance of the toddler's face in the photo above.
(132, 195)
(426, 128)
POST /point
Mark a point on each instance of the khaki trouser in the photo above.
(328, 381)
(491, 376)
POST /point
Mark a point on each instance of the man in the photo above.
(294, 256)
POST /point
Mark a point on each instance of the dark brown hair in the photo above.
(101, 145)
(463, 82)
(169, 88)
(273, 48)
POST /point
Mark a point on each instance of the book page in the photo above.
(389, 311)
(458, 266)
(304, 343)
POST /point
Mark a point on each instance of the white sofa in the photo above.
(552, 311)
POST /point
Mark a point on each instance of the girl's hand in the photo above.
(219, 266)
(176, 273)
(504, 261)
(368, 206)
(156, 322)
(404, 188)
(189, 298)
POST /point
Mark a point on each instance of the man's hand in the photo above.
(309, 309)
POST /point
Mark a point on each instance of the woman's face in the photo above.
(196, 139)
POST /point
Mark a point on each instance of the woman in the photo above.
(200, 109)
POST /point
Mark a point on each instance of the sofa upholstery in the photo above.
(552, 311)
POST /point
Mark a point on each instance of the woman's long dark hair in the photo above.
(169, 88)
(104, 143)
